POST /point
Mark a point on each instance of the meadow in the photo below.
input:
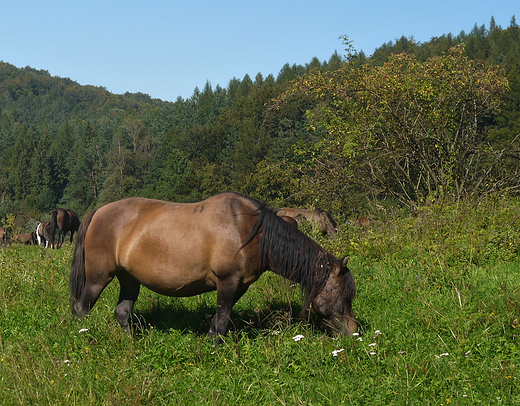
(438, 304)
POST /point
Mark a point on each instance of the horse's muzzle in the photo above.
(348, 326)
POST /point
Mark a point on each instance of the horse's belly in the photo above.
(171, 273)
(192, 288)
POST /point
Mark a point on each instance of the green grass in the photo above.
(442, 289)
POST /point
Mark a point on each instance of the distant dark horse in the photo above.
(223, 243)
(64, 221)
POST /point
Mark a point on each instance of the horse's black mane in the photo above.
(290, 253)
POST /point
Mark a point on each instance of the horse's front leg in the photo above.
(129, 291)
(228, 293)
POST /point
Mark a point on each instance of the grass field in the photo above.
(438, 304)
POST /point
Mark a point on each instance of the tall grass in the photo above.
(438, 306)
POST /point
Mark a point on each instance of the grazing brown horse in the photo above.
(320, 218)
(223, 243)
(64, 221)
(2, 234)
(25, 238)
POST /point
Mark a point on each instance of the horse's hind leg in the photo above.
(61, 238)
(129, 291)
(89, 296)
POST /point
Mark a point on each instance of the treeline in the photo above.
(82, 146)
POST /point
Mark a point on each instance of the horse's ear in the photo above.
(344, 267)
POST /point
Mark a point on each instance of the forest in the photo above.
(409, 125)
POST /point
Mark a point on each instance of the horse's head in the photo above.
(331, 228)
(327, 223)
(334, 302)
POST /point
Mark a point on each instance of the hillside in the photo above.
(82, 146)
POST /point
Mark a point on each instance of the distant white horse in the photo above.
(42, 234)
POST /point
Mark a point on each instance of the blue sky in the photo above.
(167, 48)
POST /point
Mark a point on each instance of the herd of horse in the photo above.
(50, 234)
(224, 243)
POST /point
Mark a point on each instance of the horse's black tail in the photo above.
(77, 270)
(52, 225)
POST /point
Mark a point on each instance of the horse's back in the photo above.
(320, 218)
(290, 212)
(173, 248)
(24, 238)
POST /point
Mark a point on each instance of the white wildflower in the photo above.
(372, 345)
(297, 337)
(442, 355)
(377, 333)
(336, 352)
(372, 353)
(359, 339)
(83, 330)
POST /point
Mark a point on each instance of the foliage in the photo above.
(273, 182)
(456, 235)
(408, 129)
(9, 226)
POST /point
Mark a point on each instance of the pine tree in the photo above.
(21, 154)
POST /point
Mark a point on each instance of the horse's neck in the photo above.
(302, 212)
(312, 215)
